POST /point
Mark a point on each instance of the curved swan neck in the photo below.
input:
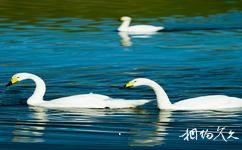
(39, 91)
(163, 101)
(124, 26)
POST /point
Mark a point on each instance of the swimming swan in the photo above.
(75, 101)
(124, 27)
(212, 102)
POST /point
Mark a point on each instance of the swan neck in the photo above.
(163, 101)
(39, 91)
(124, 26)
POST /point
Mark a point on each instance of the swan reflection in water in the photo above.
(40, 121)
(163, 130)
(153, 133)
(32, 130)
(136, 127)
(126, 37)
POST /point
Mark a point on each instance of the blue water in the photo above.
(195, 56)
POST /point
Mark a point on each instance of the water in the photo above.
(76, 50)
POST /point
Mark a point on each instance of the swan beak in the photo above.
(129, 84)
(12, 81)
(9, 84)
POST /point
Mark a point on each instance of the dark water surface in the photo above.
(73, 46)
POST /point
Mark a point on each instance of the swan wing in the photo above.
(91, 101)
(122, 103)
(77, 101)
(144, 28)
(209, 103)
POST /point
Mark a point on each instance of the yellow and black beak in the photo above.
(129, 84)
(12, 81)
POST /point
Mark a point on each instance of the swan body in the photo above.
(137, 29)
(210, 102)
(76, 101)
(213, 102)
(91, 101)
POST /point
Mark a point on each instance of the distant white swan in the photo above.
(75, 101)
(212, 102)
(139, 29)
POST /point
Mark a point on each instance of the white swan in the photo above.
(137, 29)
(75, 101)
(212, 102)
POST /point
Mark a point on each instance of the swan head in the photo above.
(125, 18)
(137, 82)
(18, 77)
